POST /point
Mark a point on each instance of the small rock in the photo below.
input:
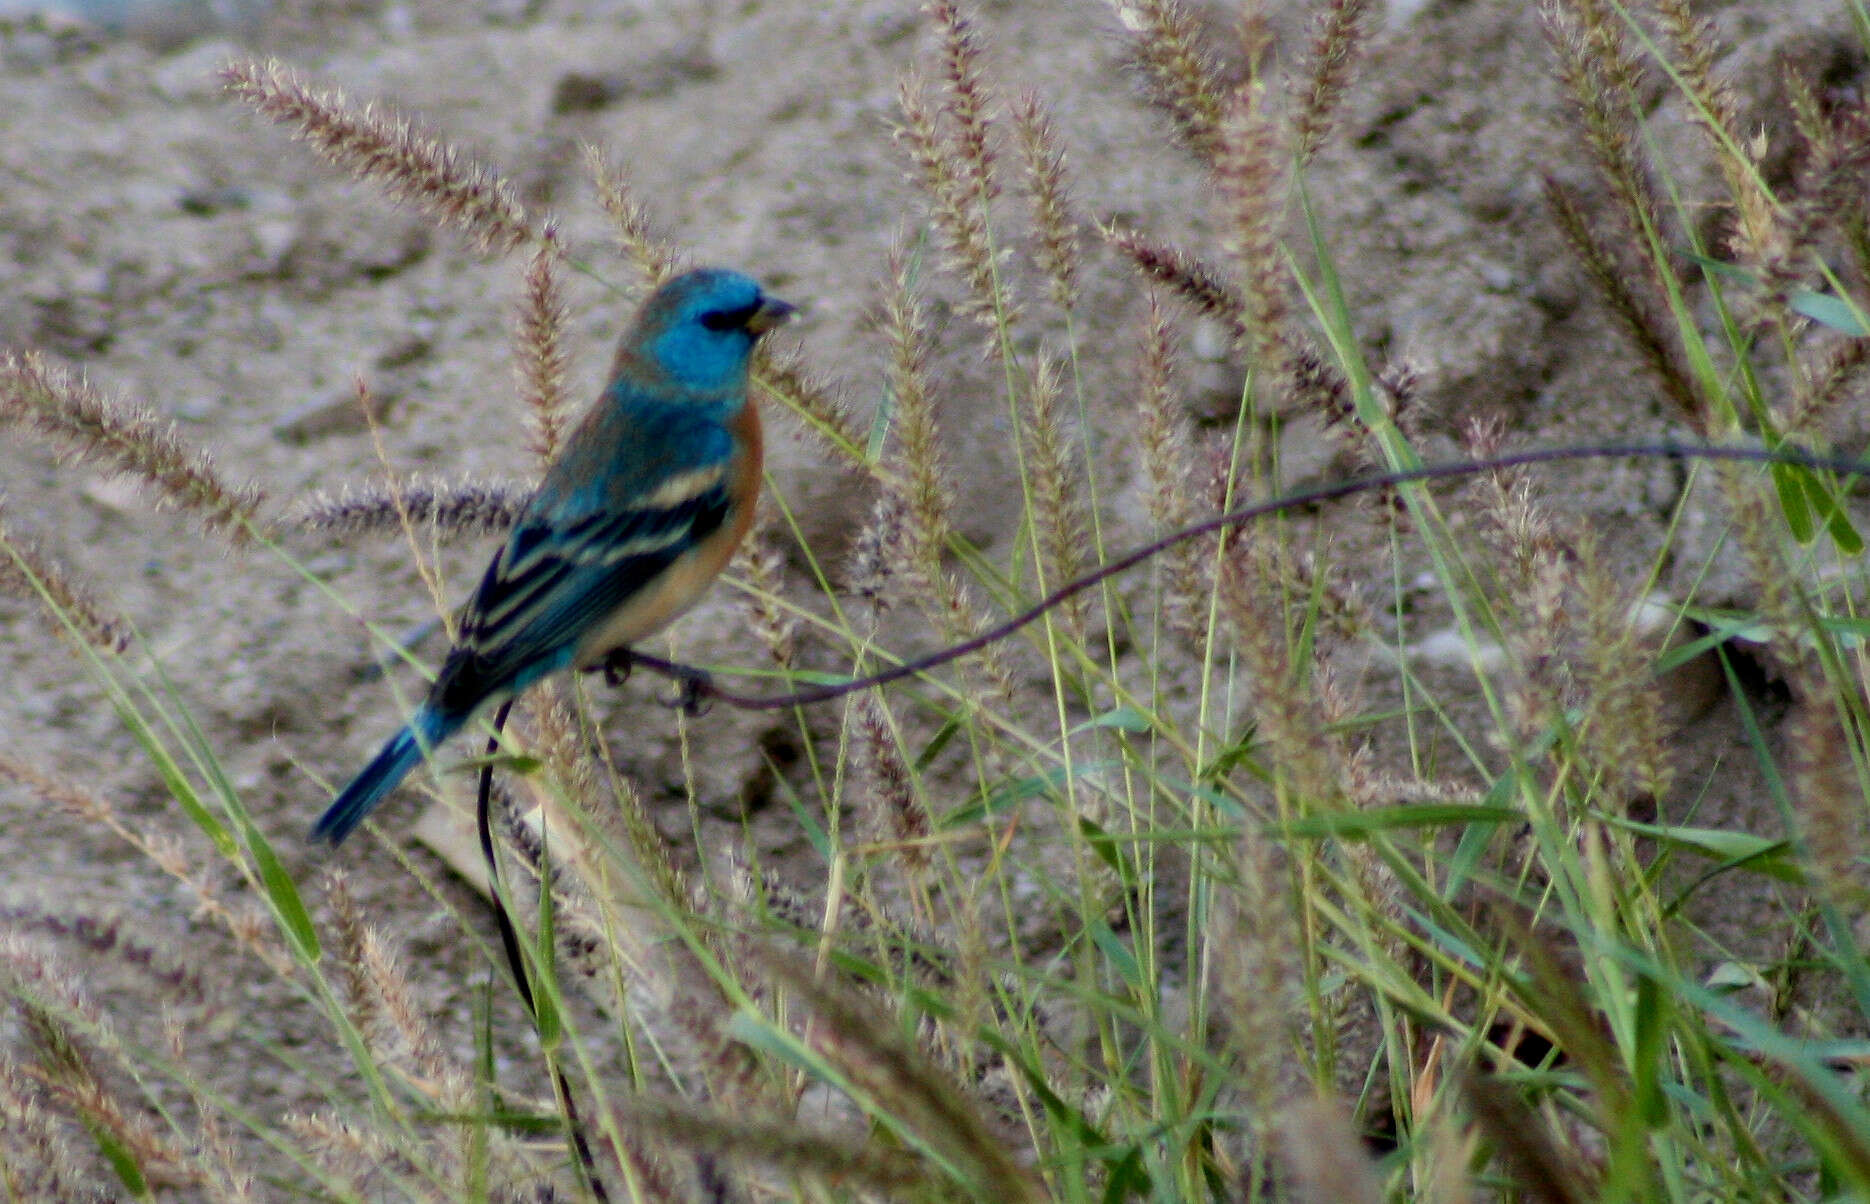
(1449, 648)
(686, 62)
(511, 12)
(209, 200)
(412, 349)
(74, 327)
(341, 415)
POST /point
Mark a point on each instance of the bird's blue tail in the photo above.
(388, 768)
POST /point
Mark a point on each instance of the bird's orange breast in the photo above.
(682, 584)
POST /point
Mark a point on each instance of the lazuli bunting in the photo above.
(642, 508)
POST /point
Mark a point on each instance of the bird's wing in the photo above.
(567, 566)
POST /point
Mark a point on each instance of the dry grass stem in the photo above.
(86, 425)
(387, 150)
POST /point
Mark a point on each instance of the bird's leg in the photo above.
(692, 685)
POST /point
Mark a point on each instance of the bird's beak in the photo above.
(772, 312)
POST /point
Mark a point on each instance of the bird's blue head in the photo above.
(697, 331)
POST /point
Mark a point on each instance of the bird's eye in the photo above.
(730, 319)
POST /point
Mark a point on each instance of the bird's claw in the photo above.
(616, 666)
(691, 692)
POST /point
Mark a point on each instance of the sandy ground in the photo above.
(183, 254)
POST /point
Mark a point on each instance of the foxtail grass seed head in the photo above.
(927, 494)
(387, 150)
(86, 425)
(1828, 193)
(760, 560)
(1323, 1155)
(72, 611)
(1167, 441)
(1601, 71)
(958, 202)
(162, 850)
(965, 101)
(1624, 732)
(1305, 753)
(348, 927)
(108, 936)
(556, 737)
(453, 509)
(1825, 390)
(1829, 803)
(882, 552)
(1057, 496)
(1058, 250)
(1255, 952)
(1714, 107)
(37, 1161)
(1341, 28)
(540, 362)
(1178, 73)
(1250, 167)
(823, 413)
(659, 258)
(829, 1158)
(889, 808)
(1197, 283)
(1629, 294)
(868, 1048)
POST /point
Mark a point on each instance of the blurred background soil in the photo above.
(184, 255)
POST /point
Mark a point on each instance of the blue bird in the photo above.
(643, 507)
